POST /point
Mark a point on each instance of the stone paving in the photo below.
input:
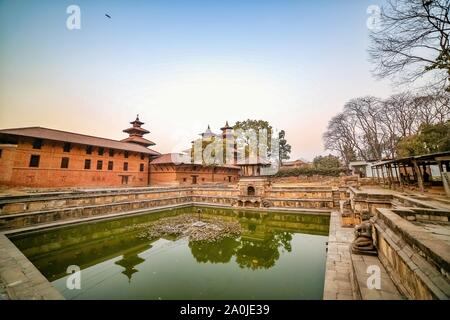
(3, 294)
(338, 284)
(19, 278)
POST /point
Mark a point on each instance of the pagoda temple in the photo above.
(136, 134)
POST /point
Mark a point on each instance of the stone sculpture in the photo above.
(363, 243)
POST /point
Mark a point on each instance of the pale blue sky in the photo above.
(184, 64)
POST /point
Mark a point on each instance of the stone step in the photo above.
(362, 269)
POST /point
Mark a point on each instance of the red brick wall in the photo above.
(15, 170)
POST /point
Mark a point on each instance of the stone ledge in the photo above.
(397, 227)
(20, 278)
(409, 270)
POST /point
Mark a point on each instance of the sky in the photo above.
(182, 65)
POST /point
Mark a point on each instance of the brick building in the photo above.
(178, 169)
(42, 157)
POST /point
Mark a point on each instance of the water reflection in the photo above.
(265, 235)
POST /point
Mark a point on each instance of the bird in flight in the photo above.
(107, 15)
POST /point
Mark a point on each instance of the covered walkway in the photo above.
(425, 172)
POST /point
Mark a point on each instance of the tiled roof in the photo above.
(58, 135)
(177, 158)
(140, 140)
(180, 158)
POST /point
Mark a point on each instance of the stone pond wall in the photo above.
(418, 262)
(26, 210)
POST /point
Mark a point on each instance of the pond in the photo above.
(277, 255)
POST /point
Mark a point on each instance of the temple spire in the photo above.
(136, 133)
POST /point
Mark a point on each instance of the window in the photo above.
(64, 163)
(124, 179)
(34, 161)
(101, 151)
(99, 164)
(142, 156)
(184, 179)
(125, 166)
(229, 178)
(1, 153)
(67, 146)
(89, 150)
(125, 154)
(251, 191)
(37, 144)
(203, 179)
(141, 167)
(110, 165)
(87, 164)
(111, 152)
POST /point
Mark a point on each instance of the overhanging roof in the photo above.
(64, 136)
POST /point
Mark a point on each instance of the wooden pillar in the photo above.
(405, 170)
(419, 176)
(378, 175)
(389, 175)
(382, 174)
(397, 168)
(444, 177)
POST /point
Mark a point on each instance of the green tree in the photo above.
(257, 125)
(430, 138)
(326, 162)
(285, 148)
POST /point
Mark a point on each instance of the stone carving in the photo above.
(267, 203)
(363, 243)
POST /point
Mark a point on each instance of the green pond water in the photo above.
(278, 256)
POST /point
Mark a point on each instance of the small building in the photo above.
(294, 164)
(43, 157)
(362, 168)
(253, 166)
(178, 169)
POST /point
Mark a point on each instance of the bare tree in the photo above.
(366, 112)
(341, 137)
(370, 128)
(413, 40)
(434, 107)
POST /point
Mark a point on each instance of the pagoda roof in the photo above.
(226, 127)
(139, 130)
(137, 121)
(138, 140)
(208, 133)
